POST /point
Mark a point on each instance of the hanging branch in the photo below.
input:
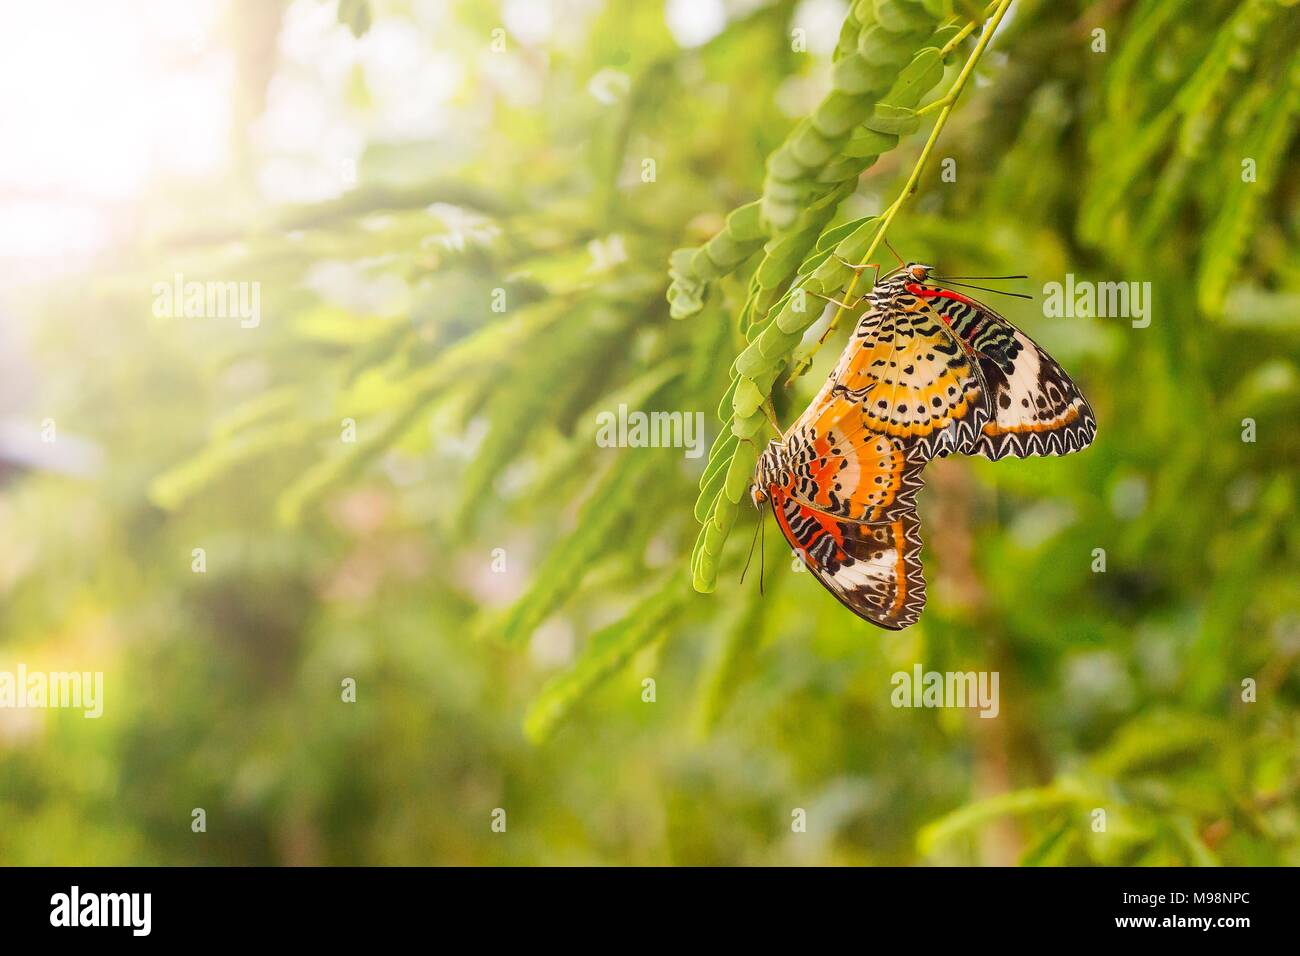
(945, 105)
(775, 324)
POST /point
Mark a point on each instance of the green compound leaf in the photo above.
(887, 59)
(605, 654)
(600, 521)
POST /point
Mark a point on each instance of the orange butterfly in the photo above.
(928, 371)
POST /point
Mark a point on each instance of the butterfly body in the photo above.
(927, 372)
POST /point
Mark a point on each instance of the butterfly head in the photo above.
(917, 272)
(896, 284)
(770, 470)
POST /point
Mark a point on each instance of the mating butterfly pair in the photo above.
(927, 372)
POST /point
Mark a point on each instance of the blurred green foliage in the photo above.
(501, 588)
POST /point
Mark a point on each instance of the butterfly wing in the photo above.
(872, 569)
(1036, 409)
(837, 467)
(910, 379)
(844, 492)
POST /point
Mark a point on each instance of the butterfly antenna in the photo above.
(981, 277)
(1014, 295)
(751, 553)
(886, 275)
(901, 260)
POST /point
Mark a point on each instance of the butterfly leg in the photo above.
(843, 305)
(806, 361)
(771, 416)
(859, 266)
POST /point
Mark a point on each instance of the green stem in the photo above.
(962, 34)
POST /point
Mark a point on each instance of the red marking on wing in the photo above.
(928, 293)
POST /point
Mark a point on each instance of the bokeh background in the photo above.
(499, 587)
